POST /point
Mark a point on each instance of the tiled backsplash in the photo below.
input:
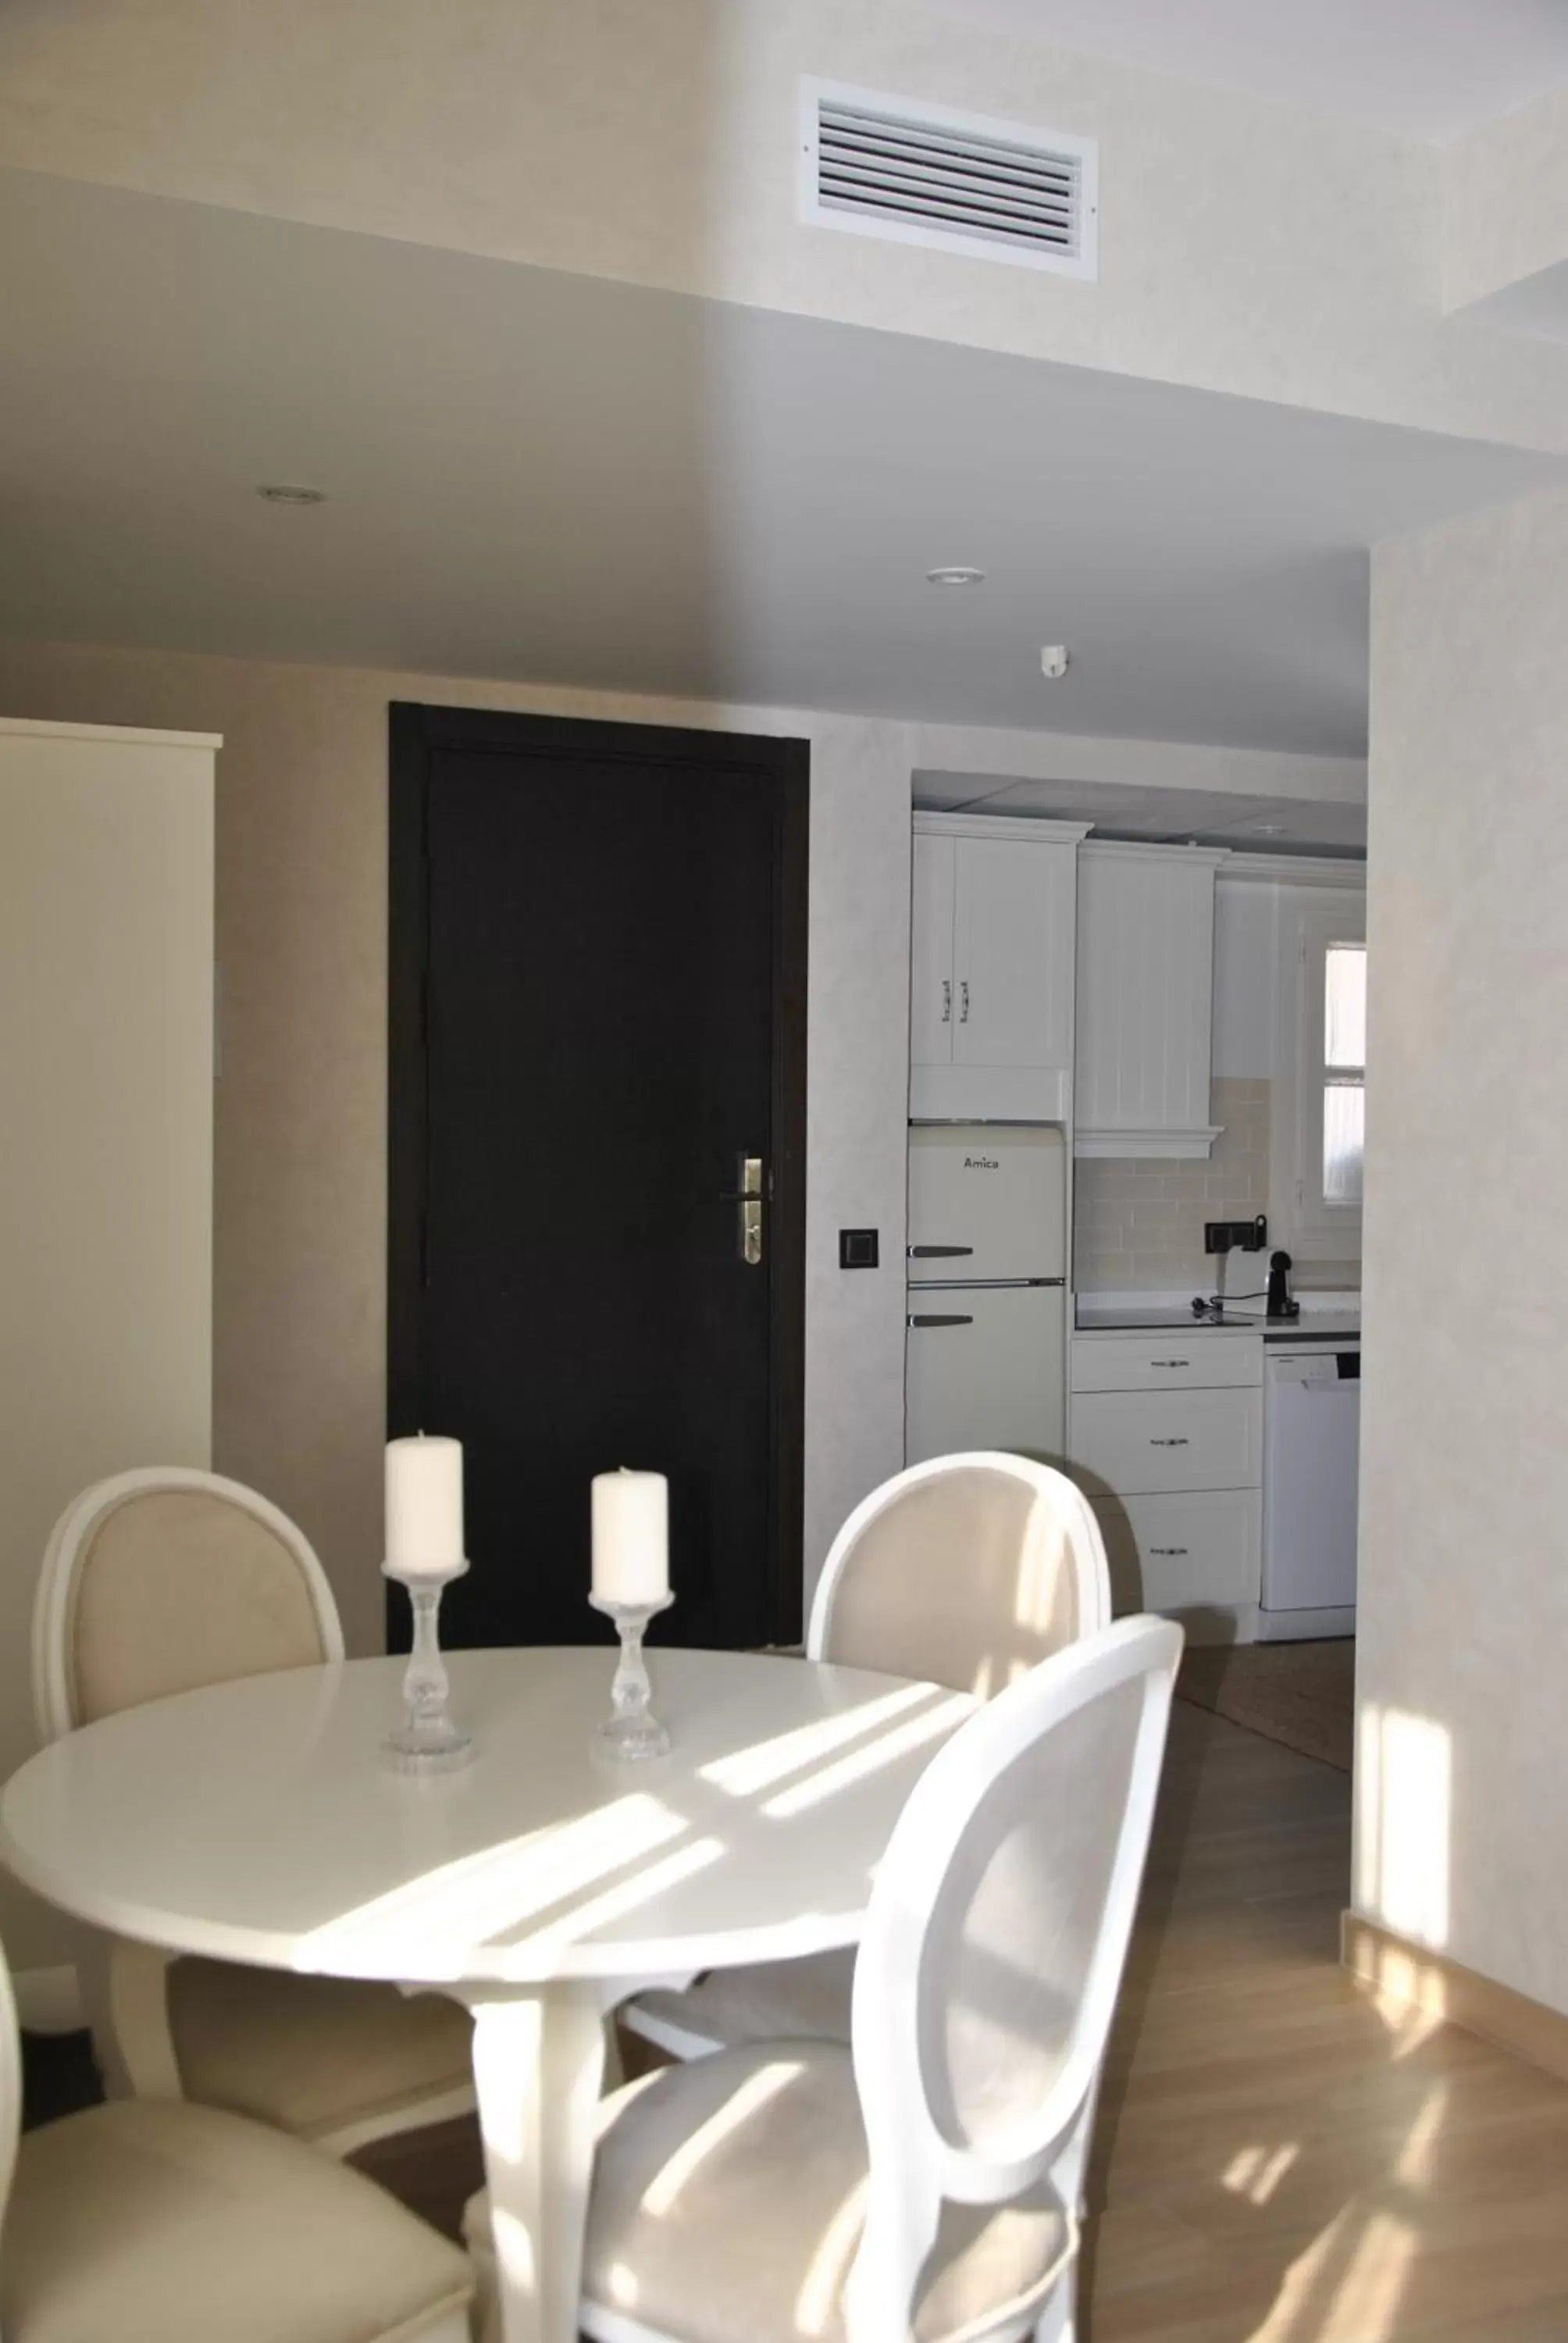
(1138, 1225)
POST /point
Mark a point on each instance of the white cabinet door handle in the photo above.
(946, 1001)
(1168, 1549)
(1182, 1443)
(964, 1001)
(1169, 1362)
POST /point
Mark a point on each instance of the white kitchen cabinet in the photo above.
(992, 968)
(1187, 1551)
(1141, 1442)
(1165, 1436)
(1145, 994)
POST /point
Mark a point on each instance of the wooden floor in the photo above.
(1279, 2160)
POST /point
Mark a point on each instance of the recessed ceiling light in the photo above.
(955, 576)
(278, 492)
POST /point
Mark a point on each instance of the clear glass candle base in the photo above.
(631, 1732)
(429, 1740)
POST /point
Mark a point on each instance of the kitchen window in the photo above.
(1320, 1089)
(1344, 1071)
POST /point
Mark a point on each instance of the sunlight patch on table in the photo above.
(432, 1924)
(615, 1903)
(746, 1770)
(859, 1764)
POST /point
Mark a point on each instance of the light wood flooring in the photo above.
(1279, 2160)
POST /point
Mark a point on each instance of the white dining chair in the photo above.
(928, 2181)
(968, 1571)
(156, 1582)
(155, 2221)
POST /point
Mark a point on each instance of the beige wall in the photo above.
(1462, 1826)
(655, 141)
(300, 1315)
(105, 1167)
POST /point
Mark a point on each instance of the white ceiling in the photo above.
(1267, 825)
(1427, 69)
(545, 476)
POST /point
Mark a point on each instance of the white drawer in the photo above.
(1177, 1553)
(1128, 1444)
(1202, 1359)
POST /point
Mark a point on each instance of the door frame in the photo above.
(417, 732)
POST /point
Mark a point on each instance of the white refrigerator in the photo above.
(986, 1347)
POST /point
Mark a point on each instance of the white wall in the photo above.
(1245, 951)
(1505, 201)
(106, 1169)
(1463, 1827)
(657, 144)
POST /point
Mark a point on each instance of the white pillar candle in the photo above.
(631, 1537)
(424, 1507)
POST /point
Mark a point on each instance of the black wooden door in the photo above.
(598, 950)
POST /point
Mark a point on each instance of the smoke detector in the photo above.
(1053, 661)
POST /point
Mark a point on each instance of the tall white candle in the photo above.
(631, 1537)
(424, 1507)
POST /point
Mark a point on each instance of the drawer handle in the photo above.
(1168, 1549)
(1169, 1362)
(1182, 1443)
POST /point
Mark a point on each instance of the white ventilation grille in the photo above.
(878, 165)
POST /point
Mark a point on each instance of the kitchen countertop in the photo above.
(1333, 1324)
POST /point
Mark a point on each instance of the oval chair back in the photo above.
(967, 1571)
(165, 1578)
(10, 2088)
(993, 1953)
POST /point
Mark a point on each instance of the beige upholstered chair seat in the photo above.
(152, 2221)
(726, 2203)
(774, 2001)
(311, 2055)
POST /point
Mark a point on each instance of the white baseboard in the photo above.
(1305, 1626)
(49, 2001)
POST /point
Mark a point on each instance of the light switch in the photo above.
(858, 1249)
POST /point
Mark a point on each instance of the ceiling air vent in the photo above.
(878, 165)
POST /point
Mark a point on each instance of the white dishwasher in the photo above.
(1312, 1453)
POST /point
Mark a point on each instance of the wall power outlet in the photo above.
(1245, 1236)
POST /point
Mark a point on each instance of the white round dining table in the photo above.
(257, 1821)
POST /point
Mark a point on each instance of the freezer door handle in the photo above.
(939, 1253)
(928, 1320)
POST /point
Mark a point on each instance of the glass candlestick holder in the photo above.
(631, 1731)
(429, 1740)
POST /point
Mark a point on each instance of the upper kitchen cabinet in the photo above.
(1145, 999)
(992, 969)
